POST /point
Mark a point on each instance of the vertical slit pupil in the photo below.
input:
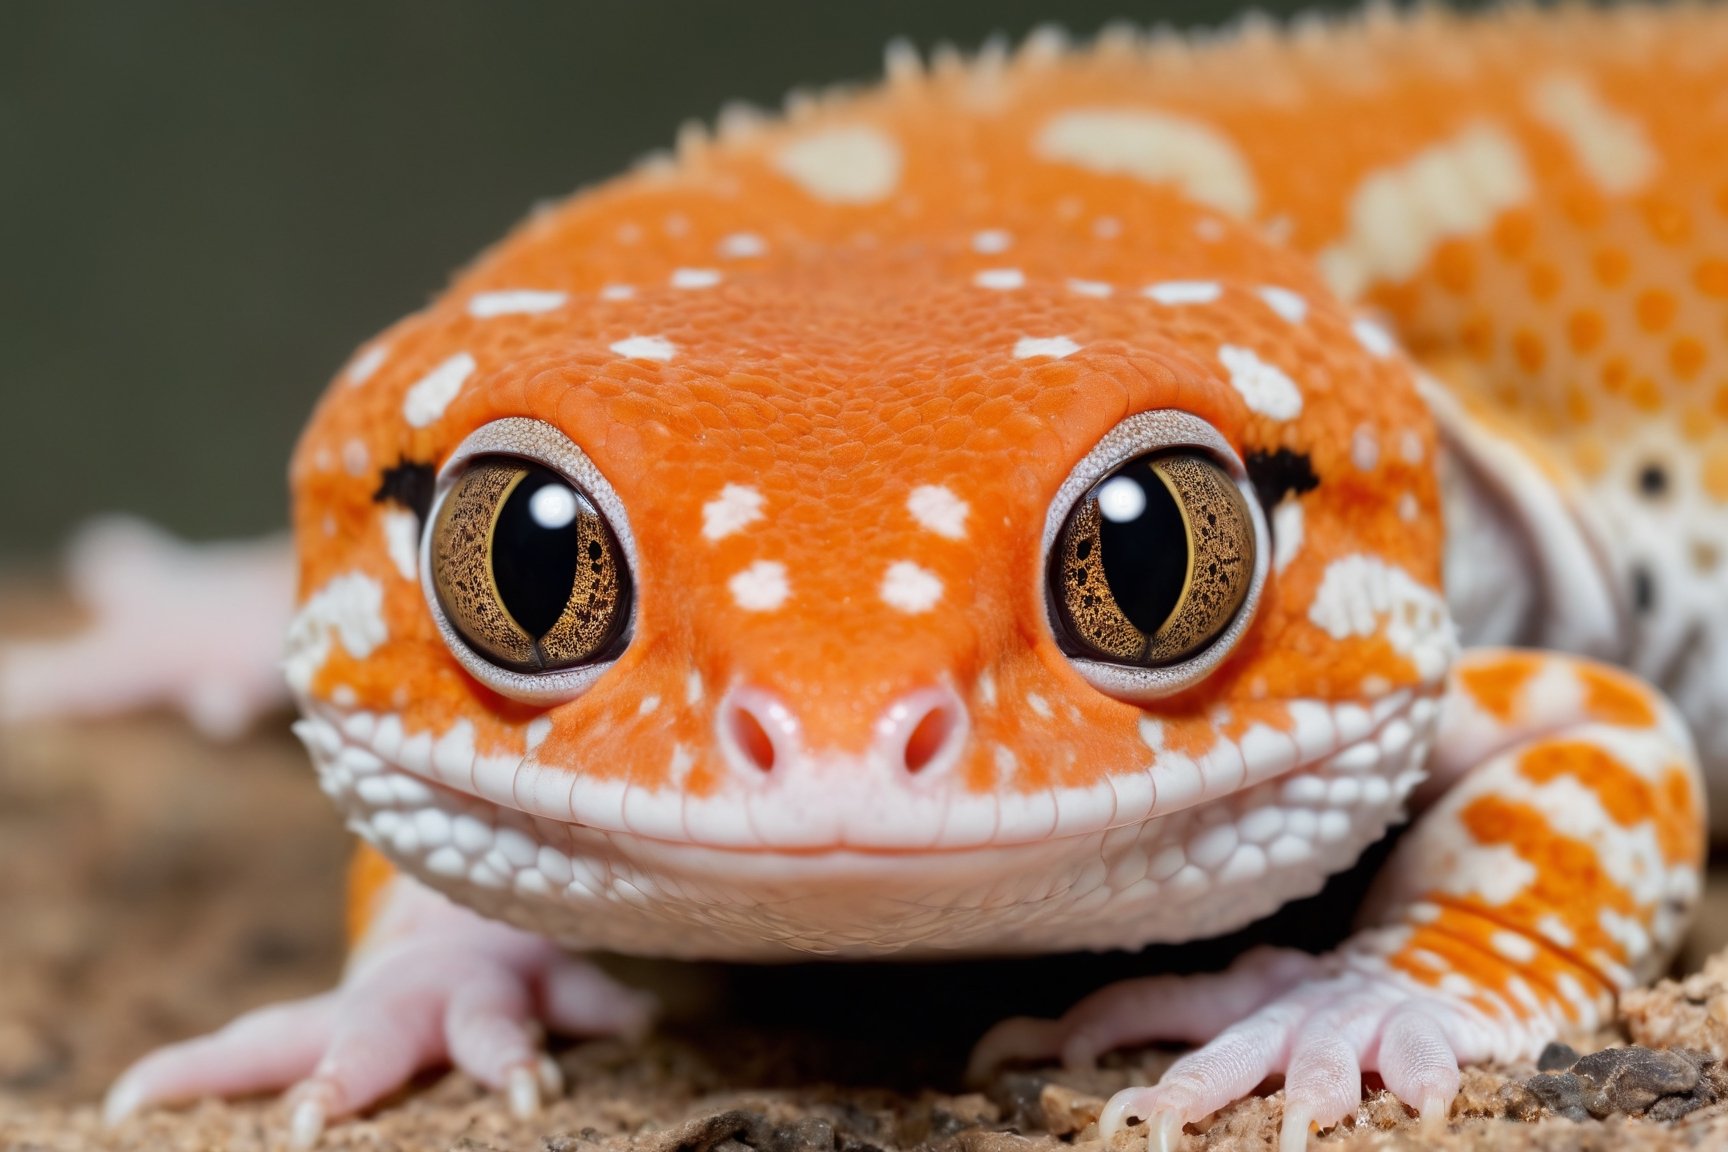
(1145, 554)
(535, 550)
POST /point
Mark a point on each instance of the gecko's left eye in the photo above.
(526, 569)
(1155, 556)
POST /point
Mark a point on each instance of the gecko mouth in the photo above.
(855, 806)
(1216, 841)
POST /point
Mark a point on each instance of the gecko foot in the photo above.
(471, 992)
(1314, 1020)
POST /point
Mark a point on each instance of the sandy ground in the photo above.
(152, 886)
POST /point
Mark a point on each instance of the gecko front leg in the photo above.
(428, 983)
(1557, 868)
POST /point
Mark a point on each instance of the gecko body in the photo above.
(821, 426)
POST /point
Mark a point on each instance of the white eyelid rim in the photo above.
(543, 444)
(1144, 432)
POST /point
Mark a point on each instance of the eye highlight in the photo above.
(526, 569)
(1154, 561)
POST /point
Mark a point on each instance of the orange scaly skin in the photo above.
(834, 370)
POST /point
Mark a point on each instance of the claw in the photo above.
(551, 1077)
(1164, 1133)
(1293, 1134)
(306, 1123)
(122, 1100)
(522, 1086)
(1433, 1114)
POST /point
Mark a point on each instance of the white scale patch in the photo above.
(1176, 292)
(762, 587)
(1096, 289)
(349, 609)
(617, 292)
(846, 165)
(366, 365)
(525, 301)
(689, 279)
(1287, 304)
(645, 348)
(910, 588)
(1400, 214)
(402, 541)
(1263, 387)
(1363, 596)
(1287, 526)
(1374, 339)
(1154, 146)
(1000, 279)
(991, 242)
(427, 399)
(735, 508)
(741, 246)
(1054, 347)
(1609, 145)
(938, 510)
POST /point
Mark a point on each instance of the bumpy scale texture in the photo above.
(834, 367)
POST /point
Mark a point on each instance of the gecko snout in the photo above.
(919, 733)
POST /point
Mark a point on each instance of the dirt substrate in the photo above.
(152, 886)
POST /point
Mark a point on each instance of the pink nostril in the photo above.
(756, 730)
(925, 730)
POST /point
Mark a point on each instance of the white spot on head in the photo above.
(1514, 947)
(1409, 509)
(1374, 338)
(910, 588)
(1097, 289)
(742, 246)
(689, 278)
(1263, 387)
(1611, 147)
(486, 305)
(648, 706)
(1208, 230)
(1410, 447)
(553, 506)
(938, 510)
(736, 506)
(350, 610)
(367, 364)
(693, 688)
(1287, 525)
(402, 541)
(617, 292)
(1055, 347)
(1039, 705)
(762, 587)
(432, 394)
(538, 729)
(1183, 292)
(1106, 228)
(1285, 303)
(1153, 146)
(645, 348)
(991, 242)
(1364, 448)
(1001, 279)
(1121, 500)
(846, 165)
(1363, 596)
(355, 457)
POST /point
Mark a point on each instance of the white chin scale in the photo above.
(1203, 870)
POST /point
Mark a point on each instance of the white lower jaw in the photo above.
(1189, 871)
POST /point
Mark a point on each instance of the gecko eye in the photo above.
(1154, 561)
(526, 569)
(1155, 556)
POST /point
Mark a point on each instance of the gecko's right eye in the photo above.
(526, 569)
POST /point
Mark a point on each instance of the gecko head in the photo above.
(771, 524)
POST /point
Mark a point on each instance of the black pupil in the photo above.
(1145, 545)
(534, 550)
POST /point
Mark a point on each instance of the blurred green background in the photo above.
(205, 206)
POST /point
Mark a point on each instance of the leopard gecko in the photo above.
(1070, 497)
